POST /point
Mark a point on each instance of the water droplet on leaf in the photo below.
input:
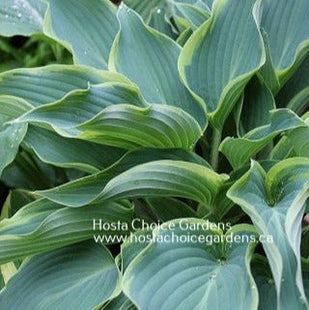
(213, 276)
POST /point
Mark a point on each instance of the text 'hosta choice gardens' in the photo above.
(154, 155)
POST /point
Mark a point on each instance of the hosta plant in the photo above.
(167, 168)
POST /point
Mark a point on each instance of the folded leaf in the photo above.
(70, 153)
(131, 127)
(192, 275)
(43, 226)
(168, 178)
(151, 62)
(79, 106)
(275, 203)
(90, 188)
(109, 119)
(239, 150)
(222, 55)
(87, 278)
(286, 27)
(50, 83)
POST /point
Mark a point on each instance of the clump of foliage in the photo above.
(178, 113)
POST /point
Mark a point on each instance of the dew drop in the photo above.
(19, 15)
(6, 16)
(213, 276)
(282, 280)
(158, 11)
(253, 287)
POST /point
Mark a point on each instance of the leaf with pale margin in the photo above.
(275, 202)
(87, 278)
(130, 127)
(239, 150)
(47, 84)
(193, 275)
(43, 225)
(90, 188)
(167, 178)
(286, 33)
(70, 153)
(151, 62)
(222, 55)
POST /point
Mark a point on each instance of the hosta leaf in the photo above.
(221, 56)
(131, 127)
(50, 83)
(43, 225)
(286, 27)
(239, 150)
(66, 21)
(151, 62)
(70, 153)
(116, 123)
(275, 202)
(10, 135)
(90, 188)
(21, 17)
(168, 178)
(87, 278)
(189, 275)
(80, 106)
